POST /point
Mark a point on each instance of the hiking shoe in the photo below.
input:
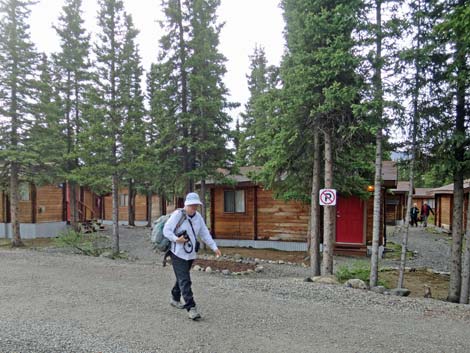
(177, 305)
(193, 314)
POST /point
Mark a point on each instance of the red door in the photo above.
(350, 220)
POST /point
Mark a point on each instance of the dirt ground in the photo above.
(415, 282)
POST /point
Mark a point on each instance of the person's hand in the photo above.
(218, 253)
(181, 240)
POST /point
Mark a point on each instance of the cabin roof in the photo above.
(449, 188)
(402, 187)
(389, 174)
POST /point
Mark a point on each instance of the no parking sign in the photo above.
(327, 197)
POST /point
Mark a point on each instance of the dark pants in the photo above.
(183, 281)
(414, 221)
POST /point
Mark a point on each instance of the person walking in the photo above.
(425, 211)
(414, 215)
(183, 250)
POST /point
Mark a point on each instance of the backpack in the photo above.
(162, 243)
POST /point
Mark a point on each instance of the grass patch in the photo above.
(393, 251)
(86, 244)
(359, 270)
(30, 243)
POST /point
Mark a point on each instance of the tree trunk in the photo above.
(203, 199)
(455, 281)
(457, 214)
(184, 98)
(149, 208)
(464, 293)
(414, 133)
(74, 221)
(328, 212)
(314, 224)
(14, 206)
(131, 204)
(374, 261)
(115, 193)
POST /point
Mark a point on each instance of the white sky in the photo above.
(247, 23)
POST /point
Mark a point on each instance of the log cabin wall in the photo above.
(232, 225)
(280, 220)
(49, 204)
(140, 207)
(3, 207)
(444, 211)
(156, 207)
(25, 210)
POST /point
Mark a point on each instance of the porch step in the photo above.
(350, 250)
(91, 226)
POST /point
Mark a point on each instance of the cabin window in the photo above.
(24, 190)
(234, 201)
(123, 200)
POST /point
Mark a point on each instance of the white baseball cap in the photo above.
(192, 199)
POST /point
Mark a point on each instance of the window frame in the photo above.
(234, 191)
(22, 192)
(124, 197)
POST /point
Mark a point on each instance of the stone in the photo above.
(107, 254)
(356, 284)
(400, 292)
(281, 262)
(197, 268)
(249, 271)
(325, 280)
(257, 260)
(237, 257)
(259, 269)
(225, 272)
(427, 291)
(308, 279)
(378, 289)
(208, 269)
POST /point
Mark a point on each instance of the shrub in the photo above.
(78, 241)
(357, 270)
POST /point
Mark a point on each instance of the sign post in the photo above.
(327, 197)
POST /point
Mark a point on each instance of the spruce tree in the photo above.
(133, 136)
(262, 83)
(101, 143)
(208, 129)
(17, 73)
(73, 67)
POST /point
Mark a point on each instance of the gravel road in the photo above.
(431, 247)
(52, 302)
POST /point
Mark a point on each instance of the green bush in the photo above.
(85, 244)
(357, 270)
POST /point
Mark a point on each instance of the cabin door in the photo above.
(350, 220)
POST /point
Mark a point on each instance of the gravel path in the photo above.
(431, 247)
(52, 302)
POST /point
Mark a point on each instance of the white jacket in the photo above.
(185, 251)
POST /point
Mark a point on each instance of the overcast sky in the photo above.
(247, 23)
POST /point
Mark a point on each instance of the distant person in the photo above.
(183, 250)
(425, 211)
(414, 215)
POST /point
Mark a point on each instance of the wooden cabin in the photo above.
(396, 203)
(44, 211)
(41, 211)
(246, 214)
(443, 198)
(142, 208)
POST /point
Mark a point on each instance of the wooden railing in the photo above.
(85, 213)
